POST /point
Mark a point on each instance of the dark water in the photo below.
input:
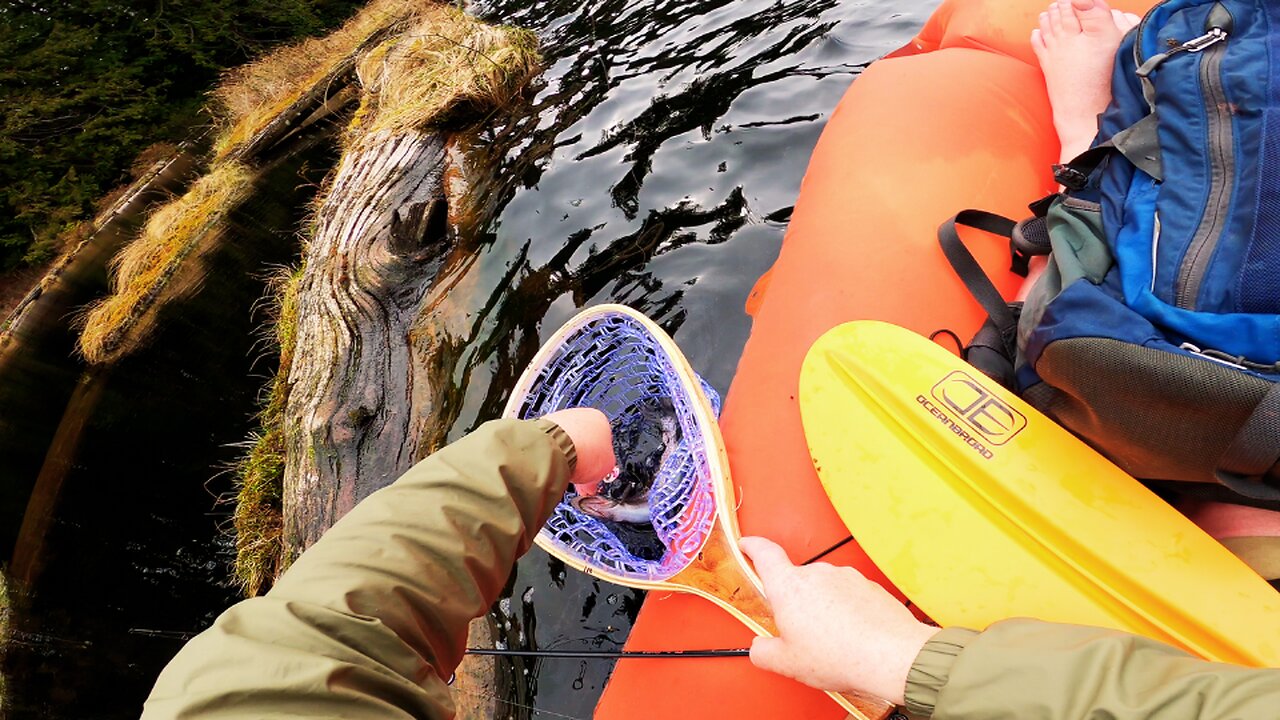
(655, 165)
(38, 370)
(127, 553)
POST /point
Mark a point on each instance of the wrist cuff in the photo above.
(561, 440)
(932, 667)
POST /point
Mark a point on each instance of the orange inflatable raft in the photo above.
(957, 119)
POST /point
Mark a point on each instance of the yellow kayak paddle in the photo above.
(980, 508)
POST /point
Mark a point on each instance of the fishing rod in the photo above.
(621, 654)
(828, 551)
(563, 654)
(551, 654)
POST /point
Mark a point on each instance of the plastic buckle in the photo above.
(1069, 177)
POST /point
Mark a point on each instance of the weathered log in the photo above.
(359, 395)
(353, 416)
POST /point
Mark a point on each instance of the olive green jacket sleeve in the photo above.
(1028, 669)
(369, 620)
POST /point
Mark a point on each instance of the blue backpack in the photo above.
(1154, 333)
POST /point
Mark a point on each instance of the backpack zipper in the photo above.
(1191, 273)
(1222, 164)
(1215, 34)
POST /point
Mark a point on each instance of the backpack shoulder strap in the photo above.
(971, 273)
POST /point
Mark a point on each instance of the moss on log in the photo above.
(356, 402)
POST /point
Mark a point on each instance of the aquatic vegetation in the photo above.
(89, 84)
(21, 288)
(258, 518)
(253, 96)
(444, 63)
(416, 62)
(443, 59)
(141, 270)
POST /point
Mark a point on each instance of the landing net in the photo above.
(614, 364)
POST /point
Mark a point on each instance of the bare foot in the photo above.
(1076, 44)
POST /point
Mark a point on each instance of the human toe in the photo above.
(1067, 13)
(1124, 21)
(1093, 17)
(1055, 20)
(1046, 30)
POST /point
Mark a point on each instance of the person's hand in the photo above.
(837, 630)
(592, 438)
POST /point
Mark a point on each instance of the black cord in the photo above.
(610, 654)
(828, 551)
(837, 546)
(620, 654)
(954, 338)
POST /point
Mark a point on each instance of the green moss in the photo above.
(90, 83)
(253, 95)
(259, 518)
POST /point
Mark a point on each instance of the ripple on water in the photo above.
(656, 166)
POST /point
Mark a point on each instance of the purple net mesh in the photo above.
(612, 363)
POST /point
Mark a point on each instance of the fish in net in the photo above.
(653, 513)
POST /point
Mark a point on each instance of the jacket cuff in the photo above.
(561, 439)
(932, 667)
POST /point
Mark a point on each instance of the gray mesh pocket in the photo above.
(1158, 415)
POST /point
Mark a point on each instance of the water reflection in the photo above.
(657, 167)
(122, 553)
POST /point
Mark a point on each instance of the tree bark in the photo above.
(356, 414)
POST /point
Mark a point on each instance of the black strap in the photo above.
(990, 352)
(971, 273)
(1254, 451)
(1075, 174)
(1139, 143)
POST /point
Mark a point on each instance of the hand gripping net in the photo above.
(613, 363)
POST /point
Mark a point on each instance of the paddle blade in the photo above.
(980, 508)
